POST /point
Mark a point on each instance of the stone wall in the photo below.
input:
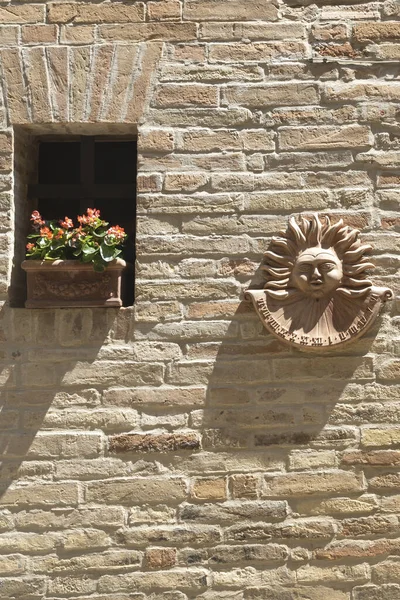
(174, 450)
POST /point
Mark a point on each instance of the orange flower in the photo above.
(45, 232)
(30, 247)
(58, 235)
(67, 223)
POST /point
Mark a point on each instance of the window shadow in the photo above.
(53, 369)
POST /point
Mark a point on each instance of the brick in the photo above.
(388, 481)
(330, 32)
(315, 592)
(307, 138)
(302, 484)
(155, 140)
(29, 13)
(364, 504)
(251, 553)
(368, 526)
(69, 12)
(62, 586)
(370, 592)
(244, 486)
(288, 201)
(104, 517)
(163, 442)
(169, 95)
(85, 539)
(9, 35)
(343, 573)
(165, 396)
(211, 73)
(172, 534)
(104, 373)
(193, 579)
(360, 91)
(357, 549)
(62, 494)
(229, 512)
(215, 10)
(375, 458)
(376, 32)
(14, 564)
(39, 34)
(22, 588)
(77, 34)
(29, 543)
(297, 529)
(205, 117)
(390, 370)
(339, 368)
(136, 491)
(257, 52)
(139, 32)
(380, 436)
(160, 558)
(163, 11)
(209, 489)
(272, 94)
(185, 182)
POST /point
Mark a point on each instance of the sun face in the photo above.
(317, 259)
(317, 272)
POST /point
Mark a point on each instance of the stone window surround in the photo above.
(29, 123)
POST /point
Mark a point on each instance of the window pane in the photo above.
(115, 162)
(55, 208)
(59, 162)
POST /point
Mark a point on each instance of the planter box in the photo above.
(70, 283)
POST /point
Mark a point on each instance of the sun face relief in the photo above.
(317, 272)
(318, 292)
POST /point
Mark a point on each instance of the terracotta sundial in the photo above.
(317, 292)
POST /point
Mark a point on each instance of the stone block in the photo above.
(75, 12)
(137, 491)
(158, 442)
(229, 10)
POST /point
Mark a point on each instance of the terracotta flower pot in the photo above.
(71, 283)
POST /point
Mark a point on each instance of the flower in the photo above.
(67, 223)
(45, 232)
(117, 232)
(92, 215)
(36, 219)
(90, 242)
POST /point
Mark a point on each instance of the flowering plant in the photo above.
(91, 242)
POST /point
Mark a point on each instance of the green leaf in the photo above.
(107, 253)
(89, 249)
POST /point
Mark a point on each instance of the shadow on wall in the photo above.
(47, 363)
(264, 394)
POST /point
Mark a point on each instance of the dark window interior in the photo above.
(74, 175)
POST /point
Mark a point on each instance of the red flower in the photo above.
(92, 215)
(30, 247)
(36, 219)
(117, 232)
(67, 223)
(45, 232)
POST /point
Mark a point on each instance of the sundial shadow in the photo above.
(42, 352)
(269, 404)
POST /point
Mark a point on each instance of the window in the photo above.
(97, 172)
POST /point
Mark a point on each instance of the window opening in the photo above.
(75, 174)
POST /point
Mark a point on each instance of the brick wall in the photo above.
(174, 450)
